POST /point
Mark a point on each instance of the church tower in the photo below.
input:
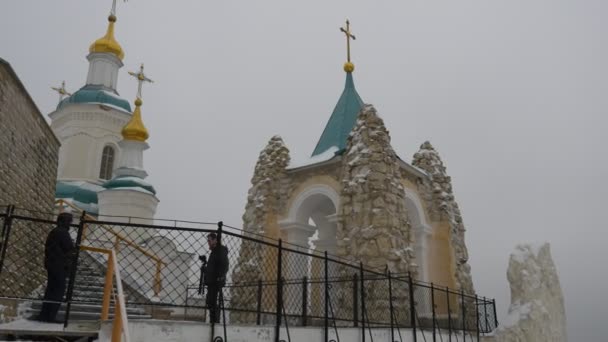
(89, 123)
(127, 193)
(356, 199)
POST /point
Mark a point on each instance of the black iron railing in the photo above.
(269, 283)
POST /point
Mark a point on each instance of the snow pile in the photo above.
(537, 304)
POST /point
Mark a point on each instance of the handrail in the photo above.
(119, 237)
(120, 324)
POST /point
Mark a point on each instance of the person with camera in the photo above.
(215, 275)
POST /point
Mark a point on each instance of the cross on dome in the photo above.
(113, 11)
(141, 78)
(348, 66)
(61, 90)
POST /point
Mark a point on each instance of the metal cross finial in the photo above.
(113, 12)
(61, 90)
(349, 35)
(141, 78)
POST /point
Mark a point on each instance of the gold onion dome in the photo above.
(135, 129)
(108, 43)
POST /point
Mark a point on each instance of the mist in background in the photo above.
(513, 95)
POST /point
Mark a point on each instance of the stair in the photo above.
(88, 295)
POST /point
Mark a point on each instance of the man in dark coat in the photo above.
(215, 275)
(58, 252)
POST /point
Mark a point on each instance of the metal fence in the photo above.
(270, 282)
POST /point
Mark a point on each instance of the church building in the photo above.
(103, 139)
(358, 200)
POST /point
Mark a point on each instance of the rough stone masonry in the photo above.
(28, 172)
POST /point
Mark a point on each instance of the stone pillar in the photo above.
(265, 200)
(443, 207)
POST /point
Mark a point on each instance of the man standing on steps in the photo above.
(215, 275)
(58, 253)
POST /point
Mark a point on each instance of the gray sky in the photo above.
(511, 93)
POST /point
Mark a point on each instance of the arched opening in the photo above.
(311, 220)
(107, 162)
(420, 231)
(311, 223)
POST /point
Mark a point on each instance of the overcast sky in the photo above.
(513, 95)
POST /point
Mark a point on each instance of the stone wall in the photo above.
(28, 172)
(28, 148)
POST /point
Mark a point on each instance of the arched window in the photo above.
(107, 163)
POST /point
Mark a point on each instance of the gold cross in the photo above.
(61, 90)
(349, 35)
(113, 12)
(141, 78)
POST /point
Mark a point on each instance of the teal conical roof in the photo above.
(342, 120)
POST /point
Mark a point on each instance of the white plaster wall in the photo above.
(103, 69)
(154, 330)
(84, 130)
(138, 205)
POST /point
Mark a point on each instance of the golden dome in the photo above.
(108, 43)
(135, 129)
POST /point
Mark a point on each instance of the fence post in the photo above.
(355, 300)
(304, 301)
(477, 315)
(259, 307)
(390, 305)
(6, 231)
(485, 315)
(412, 306)
(326, 318)
(277, 328)
(362, 278)
(447, 292)
(495, 316)
(434, 315)
(73, 269)
(464, 312)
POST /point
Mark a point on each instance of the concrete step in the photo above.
(87, 315)
(89, 308)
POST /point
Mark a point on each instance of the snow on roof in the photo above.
(85, 185)
(321, 157)
(133, 188)
(134, 179)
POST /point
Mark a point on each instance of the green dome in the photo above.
(65, 190)
(75, 192)
(94, 94)
(129, 182)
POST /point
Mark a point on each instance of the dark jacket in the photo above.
(217, 266)
(59, 249)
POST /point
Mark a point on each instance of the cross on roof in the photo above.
(349, 35)
(141, 78)
(61, 90)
